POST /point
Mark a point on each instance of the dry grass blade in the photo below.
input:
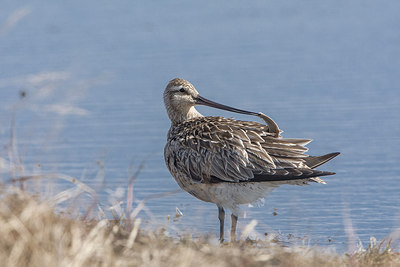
(68, 178)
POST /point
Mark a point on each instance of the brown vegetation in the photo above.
(33, 234)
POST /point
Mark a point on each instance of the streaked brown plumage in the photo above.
(231, 162)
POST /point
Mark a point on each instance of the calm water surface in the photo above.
(94, 73)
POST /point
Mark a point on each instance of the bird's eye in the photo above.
(182, 90)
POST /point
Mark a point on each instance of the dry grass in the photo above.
(32, 234)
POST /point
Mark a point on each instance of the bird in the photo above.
(231, 162)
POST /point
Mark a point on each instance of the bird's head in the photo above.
(180, 97)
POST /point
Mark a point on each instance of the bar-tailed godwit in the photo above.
(231, 162)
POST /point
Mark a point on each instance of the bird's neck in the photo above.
(183, 115)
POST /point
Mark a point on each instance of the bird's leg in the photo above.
(221, 217)
(233, 228)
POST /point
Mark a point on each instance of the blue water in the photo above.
(94, 73)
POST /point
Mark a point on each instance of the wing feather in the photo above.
(235, 151)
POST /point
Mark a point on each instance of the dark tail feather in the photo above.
(315, 161)
(288, 174)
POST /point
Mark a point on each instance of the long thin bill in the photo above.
(204, 101)
(273, 127)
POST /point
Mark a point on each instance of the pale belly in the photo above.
(230, 195)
